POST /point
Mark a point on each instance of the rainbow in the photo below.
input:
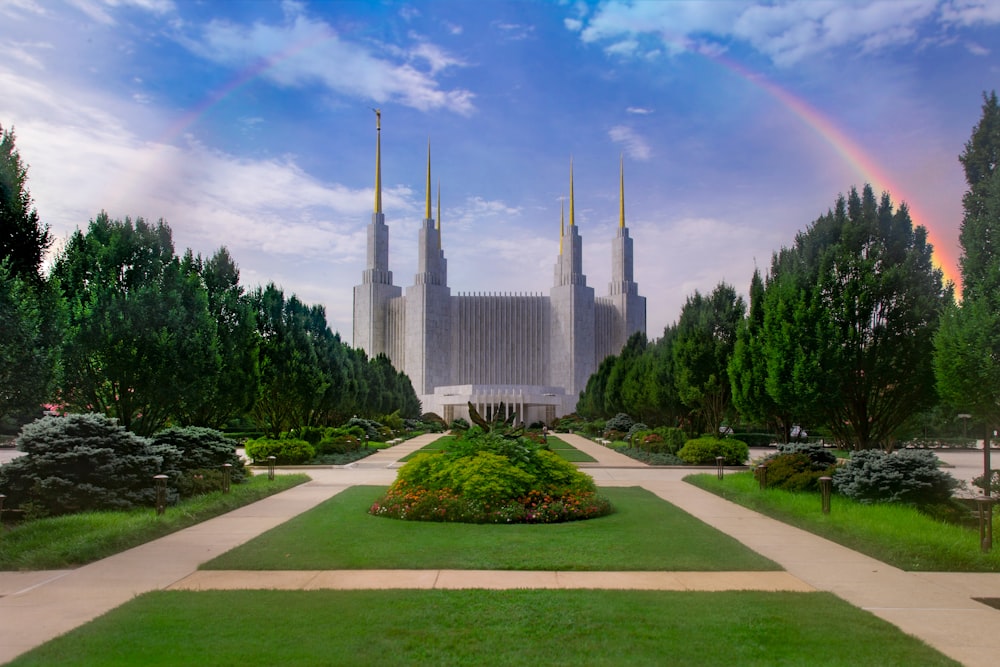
(860, 161)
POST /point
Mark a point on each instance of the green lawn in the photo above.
(75, 539)
(645, 533)
(560, 447)
(482, 627)
(893, 533)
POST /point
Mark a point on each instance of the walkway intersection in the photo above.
(936, 607)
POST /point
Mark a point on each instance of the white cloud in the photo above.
(977, 49)
(785, 31)
(303, 51)
(642, 111)
(636, 146)
(971, 12)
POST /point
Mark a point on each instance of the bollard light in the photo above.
(826, 489)
(270, 467)
(985, 523)
(2, 498)
(226, 470)
(161, 493)
(718, 465)
(762, 475)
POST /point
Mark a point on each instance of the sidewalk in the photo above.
(936, 607)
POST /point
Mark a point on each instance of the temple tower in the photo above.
(428, 308)
(571, 354)
(630, 308)
(372, 296)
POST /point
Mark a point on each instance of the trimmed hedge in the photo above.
(704, 450)
(286, 452)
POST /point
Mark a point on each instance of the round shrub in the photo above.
(200, 449)
(621, 423)
(795, 471)
(285, 452)
(487, 477)
(909, 476)
(82, 462)
(704, 450)
(818, 455)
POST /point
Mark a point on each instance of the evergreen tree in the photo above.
(23, 239)
(967, 359)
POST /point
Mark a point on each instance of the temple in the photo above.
(531, 353)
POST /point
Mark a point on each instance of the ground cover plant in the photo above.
(645, 533)
(891, 532)
(476, 627)
(561, 447)
(75, 539)
(491, 475)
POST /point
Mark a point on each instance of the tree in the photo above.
(854, 308)
(967, 359)
(23, 239)
(141, 341)
(291, 382)
(233, 389)
(706, 337)
(31, 314)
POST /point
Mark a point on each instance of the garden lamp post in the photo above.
(270, 468)
(226, 471)
(161, 493)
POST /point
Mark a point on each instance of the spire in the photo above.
(439, 214)
(621, 191)
(428, 216)
(378, 160)
(572, 220)
(562, 220)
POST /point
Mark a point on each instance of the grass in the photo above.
(560, 447)
(896, 534)
(645, 533)
(76, 539)
(568, 451)
(477, 627)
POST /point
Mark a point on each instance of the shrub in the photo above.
(285, 452)
(200, 449)
(704, 450)
(994, 481)
(908, 476)
(486, 476)
(459, 424)
(818, 455)
(662, 440)
(373, 430)
(795, 471)
(620, 422)
(82, 462)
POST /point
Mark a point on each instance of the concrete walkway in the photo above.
(936, 607)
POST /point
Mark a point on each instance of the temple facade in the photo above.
(532, 353)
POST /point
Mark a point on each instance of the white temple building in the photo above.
(532, 353)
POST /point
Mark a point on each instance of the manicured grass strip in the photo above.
(895, 534)
(560, 447)
(482, 627)
(440, 443)
(645, 533)
(568, 451)
(76, 539)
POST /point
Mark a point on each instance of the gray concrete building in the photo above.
(531, 353)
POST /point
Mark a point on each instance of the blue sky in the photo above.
(250, 125)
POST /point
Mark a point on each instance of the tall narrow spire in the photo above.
(439, 215)
(428, 216)
(562, 223)
(572, 220)
(378, 160)
(621, 191)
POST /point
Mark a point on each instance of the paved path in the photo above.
(936, 607)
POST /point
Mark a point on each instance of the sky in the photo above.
(250, 125)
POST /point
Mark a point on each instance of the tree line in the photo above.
(852, 329)
(124, 326)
